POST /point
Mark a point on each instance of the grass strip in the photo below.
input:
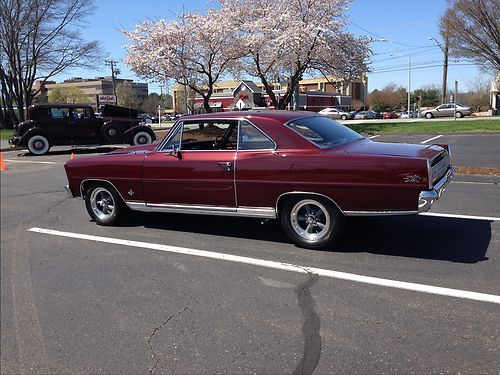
(460, 126)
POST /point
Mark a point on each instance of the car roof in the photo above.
(281, 116)
(56, 105)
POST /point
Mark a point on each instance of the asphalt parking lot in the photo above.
(172, 293)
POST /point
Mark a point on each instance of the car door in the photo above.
(193, 167)
(82, 125)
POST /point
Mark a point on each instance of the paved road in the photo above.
(78, 305)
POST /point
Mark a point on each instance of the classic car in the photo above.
(302, 168)
(59, 124)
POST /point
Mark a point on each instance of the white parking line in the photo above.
(31, 161)
(282, 266)
(374, 136)
(485, 218)
(431, 139)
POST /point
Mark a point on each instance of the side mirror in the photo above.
(175, 152)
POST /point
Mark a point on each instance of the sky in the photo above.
(405, 25)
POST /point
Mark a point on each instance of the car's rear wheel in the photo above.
(459, 115)
(311, 221)
(104, 204)
(38, 145)
(428, 115)
(343, 117)
(141, 138)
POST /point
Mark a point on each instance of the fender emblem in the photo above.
(412, 178)
(130, 192)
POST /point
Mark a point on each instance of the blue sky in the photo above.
(405, 24)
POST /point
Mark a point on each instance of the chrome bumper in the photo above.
(428, 197)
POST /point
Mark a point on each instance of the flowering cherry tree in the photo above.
(292, 38)
(196, 51)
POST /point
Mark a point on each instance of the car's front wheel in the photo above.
(459, 115)
(428, 115)
(142, 138)
(343, 117)
(311, 221)
(38, 145)
(104, 205)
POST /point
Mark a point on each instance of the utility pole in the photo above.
(114, 71)
(445, 64)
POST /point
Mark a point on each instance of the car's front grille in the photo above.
(440, 165)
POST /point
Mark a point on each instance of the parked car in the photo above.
(364, 115)
(447, 110)
(407, 114)
(336, 113)
(390, 115)
(76, 124)
(302, 168)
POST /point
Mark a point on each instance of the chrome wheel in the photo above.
(310, 220)
(102, 203)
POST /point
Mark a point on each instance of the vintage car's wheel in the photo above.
(38, 145)
(459, 115)
(141, 138)
(104, 204)
(111, 132)
(428, 115)
(311, 222)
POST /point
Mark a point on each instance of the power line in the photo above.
(418, 68)
(381, 37)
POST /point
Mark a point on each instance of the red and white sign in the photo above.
(109, 99)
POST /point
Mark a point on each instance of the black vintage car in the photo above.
(76, 124)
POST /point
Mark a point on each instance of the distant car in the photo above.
(447, 110)
(335, 113)
(364, 115)
(390, 115)
(301, 168)
(76, 124)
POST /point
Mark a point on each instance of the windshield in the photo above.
(323, 132)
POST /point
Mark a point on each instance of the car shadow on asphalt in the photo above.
(423, 237)
(76, 151)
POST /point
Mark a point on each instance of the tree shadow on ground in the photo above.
(423, 237)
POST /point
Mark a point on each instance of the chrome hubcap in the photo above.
(102, 203)
(310, 219)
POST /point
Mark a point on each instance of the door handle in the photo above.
(226, 165)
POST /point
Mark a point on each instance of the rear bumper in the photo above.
(427, 198)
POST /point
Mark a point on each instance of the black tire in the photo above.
(104, 204)
(142, 137)
(312, 221)
(459, 115)
(38, 144)
(111, 132)
(428, 115)
(343, 117)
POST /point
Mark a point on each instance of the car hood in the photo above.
(135, 149)
(368, 147)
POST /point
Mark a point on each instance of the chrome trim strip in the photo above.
(379, 213)
(259, 212)
(98, 179)
(307, 193)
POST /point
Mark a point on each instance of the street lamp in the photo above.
(445, 65)
(409, 79)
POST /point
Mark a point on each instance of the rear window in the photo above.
(323, 132)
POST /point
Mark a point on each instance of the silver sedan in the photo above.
(446, 110)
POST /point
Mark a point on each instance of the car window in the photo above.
(323, 132)
(59, 113)
(204, 136)
(443, 106)
(251, 138)
(80, 113)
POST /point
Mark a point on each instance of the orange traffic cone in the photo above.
(72, 156)
(3, 167)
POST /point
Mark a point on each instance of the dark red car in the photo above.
(391, 115)
(302, 168)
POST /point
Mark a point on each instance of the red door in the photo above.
(197, 178)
